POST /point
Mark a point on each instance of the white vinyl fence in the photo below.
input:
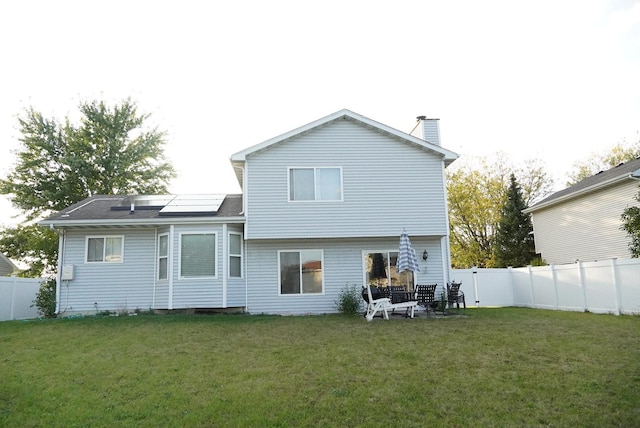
(607, 286)
(17, 296)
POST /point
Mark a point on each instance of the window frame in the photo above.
(215, 256)
(393, 277)
(236, 255)
(301, 292)
(315, 183)
(104, 249)
(160, 256)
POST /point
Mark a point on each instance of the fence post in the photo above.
(533, 300)
(554, 276)
(13, 297)
(582, 285)
(616, 285)
(475, 285)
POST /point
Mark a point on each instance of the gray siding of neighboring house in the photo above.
(5, 268)
(388, 185)
(585, 228)
(109, 286)
(343, 265)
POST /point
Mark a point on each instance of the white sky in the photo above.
(549, 79)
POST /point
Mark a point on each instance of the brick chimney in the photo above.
(427, 129)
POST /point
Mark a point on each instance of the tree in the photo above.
(609, 158)
(514, 244)
(477, 189)
(109, 151)
(631, 225)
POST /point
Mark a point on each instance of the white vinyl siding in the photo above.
(387, 185)
(104, 249)
(585, 228)
(110, 286)
(342, 265)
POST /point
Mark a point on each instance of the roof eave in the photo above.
(159, 221)
(572, 195)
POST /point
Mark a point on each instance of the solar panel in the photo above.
(193, 204)
(142, 202)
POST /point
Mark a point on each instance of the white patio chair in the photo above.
(384, 305)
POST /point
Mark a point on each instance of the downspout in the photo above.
(245, 226)
(155, 272)
(447, 261)
(61, 239)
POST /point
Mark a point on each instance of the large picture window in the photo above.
(197, 255)
(235, 255)
(163, 257)
(315, 184)
(301, 271)
(105, 249)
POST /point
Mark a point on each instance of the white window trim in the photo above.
(301, 293)
(159, 257)
(216, 255)
(104, 261)
(314, 200)
(241, 255)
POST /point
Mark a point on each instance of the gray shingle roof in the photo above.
(591, 183)
(100, 208)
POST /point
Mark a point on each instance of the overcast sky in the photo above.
(548, 79)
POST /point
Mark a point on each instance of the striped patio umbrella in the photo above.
(407, 260)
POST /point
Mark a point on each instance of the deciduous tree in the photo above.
(477, 189)
(631, 225)
(602, 161)
(110, 151)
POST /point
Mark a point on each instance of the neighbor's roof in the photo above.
(4, 260)
(622, 172)
(238, 158)
(116, 210)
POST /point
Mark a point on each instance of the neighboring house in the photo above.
(582, 222)
(318, 202)
(6, 266)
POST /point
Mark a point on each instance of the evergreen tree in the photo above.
(514, 244)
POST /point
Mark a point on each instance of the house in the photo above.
(6, 266)
(582, 222)
(317, 203)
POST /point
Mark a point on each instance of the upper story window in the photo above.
(105, 249)
(315, 184)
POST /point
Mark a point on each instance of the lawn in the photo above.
(492, 367)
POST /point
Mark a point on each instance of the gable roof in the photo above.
(622, 172)
(238, 159)
(7, 267)
(102, 210)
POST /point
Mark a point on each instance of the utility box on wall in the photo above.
(67, 273)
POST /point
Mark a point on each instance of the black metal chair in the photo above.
(426, 296)
(455, 296)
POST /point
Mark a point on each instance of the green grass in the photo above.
(494, 367)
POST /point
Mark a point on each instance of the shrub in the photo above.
(349, 300)
(46, 298)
